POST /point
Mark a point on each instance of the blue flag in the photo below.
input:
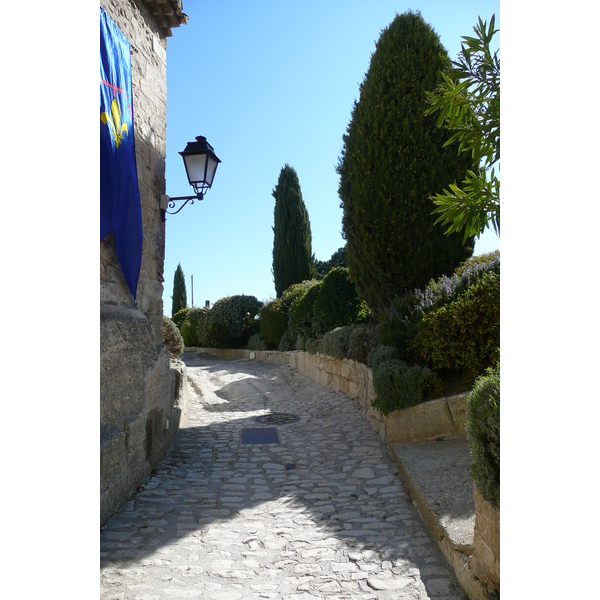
(120, 209)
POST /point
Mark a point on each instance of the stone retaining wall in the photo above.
(485, 562)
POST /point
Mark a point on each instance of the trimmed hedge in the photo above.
(335, 342)
(399, 386)
(256, 342)
(273, 322)
(483, 433)
(179, 317)
(337, 303)
(202, 328)
(288, 342)
(381, 354)
(171, 337)
(312, 345)
(274, 315)
(228, 324)
(362, 341)
(231, 321)
(193, 327)
(301, 313)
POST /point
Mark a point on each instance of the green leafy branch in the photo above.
(468, 103)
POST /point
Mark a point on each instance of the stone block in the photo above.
(422, 422)
(458, 410)
(136, 399)
(485, 563)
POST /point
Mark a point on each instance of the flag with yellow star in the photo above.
(120, 211)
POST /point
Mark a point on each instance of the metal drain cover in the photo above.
(260, 435)
(277, 419)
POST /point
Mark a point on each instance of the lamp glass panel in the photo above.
(195, 165)
(210, 170)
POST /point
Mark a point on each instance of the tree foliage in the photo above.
(338, 259)
(179, 292)
(393, 159)
(468, 104)
(292, 243)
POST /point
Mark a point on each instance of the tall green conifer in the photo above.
(393, 160)
(292, 244)
(179, 293)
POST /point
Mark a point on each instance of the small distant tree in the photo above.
(179, 294)
(468, 102)
(292, 244)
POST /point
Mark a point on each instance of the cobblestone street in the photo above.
(315, 511)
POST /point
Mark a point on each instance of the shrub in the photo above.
(256, 342)
(486, 262)
(483, 433)
(287, 343)
(337, 303)
(273, 322)
(171, 337)
(300, 342)
(393, 160)
(447, 289)
(464, 336)
(193, 318)
(231, 320)
(335, 342)
(362, 341)
(301, 313)
(399, 386)
(400, 320)
(381, 354)
(296, 291)
(202, 320)
(179, 317)
(312, 345)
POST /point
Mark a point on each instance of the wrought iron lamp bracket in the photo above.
(168, 202)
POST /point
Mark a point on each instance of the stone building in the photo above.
(141, 404)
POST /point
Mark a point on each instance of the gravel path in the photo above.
(320, 515)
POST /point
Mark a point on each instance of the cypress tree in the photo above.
(179, 293)
(292, 243)
(393, 160)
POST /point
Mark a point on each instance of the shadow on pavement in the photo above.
(330, 472)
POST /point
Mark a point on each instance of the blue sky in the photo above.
(270, 83)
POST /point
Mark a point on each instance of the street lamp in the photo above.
(201, 164)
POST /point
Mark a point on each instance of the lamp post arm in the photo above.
(167, 201)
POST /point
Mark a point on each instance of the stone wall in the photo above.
(142, 400)
(485, 562)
